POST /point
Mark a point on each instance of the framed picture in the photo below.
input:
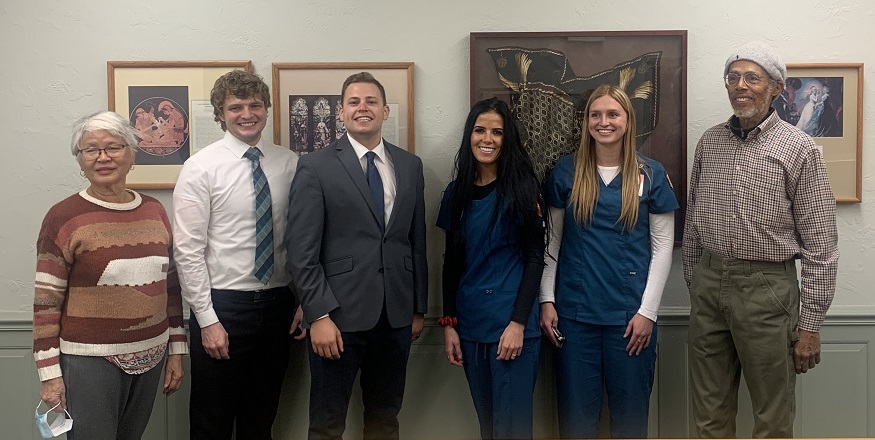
(547, 77)
(307, 103)
(826, 101)
(168, 103)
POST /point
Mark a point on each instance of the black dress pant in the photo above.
(381, 354)
(245, 388)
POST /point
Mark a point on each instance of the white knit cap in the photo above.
(762, 54)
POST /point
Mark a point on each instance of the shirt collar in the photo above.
(361, 150)
(734, 125)
(239, 147)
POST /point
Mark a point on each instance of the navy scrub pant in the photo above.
(593, 358)
(502, 390)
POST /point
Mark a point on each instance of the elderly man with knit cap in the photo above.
(759, 201)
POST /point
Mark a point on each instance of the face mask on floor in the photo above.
(61, 424)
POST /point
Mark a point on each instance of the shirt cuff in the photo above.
(207, 317)
(810, 321)
(49, 372)
(177, 348)
(649, 314)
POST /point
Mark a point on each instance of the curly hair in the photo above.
(241, 84)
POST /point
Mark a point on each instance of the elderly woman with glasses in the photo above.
(107, 314)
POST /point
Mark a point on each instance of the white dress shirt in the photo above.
(385, 167)
(214, 221)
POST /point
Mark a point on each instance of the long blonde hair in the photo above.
(585, 189)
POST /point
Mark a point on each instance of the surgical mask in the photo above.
(61, 424)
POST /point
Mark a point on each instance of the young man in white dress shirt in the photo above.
(234, 279)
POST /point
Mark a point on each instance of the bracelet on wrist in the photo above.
(448, 321)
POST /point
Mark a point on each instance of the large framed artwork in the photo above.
(826, 101)
(168, 103)
(547, 77)
(307, 103)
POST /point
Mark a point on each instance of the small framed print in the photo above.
(307, 103)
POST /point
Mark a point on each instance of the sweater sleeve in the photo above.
(52, 274)
(178, 341)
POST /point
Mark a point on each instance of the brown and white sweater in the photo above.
(106, 284)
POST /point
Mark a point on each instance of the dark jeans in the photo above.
(381, 355)
(245, 388)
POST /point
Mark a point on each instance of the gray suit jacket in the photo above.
(340, 260)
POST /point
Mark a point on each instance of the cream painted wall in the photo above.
(55, 72)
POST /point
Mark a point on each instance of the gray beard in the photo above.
(748, 113)
(759, 109)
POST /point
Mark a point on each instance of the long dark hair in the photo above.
(517, 185)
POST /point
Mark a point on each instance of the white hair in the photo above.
(112, 122)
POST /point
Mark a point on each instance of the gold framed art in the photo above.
(168, 103)
(307, 100)
(826, 101)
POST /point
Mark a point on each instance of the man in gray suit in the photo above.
(356, 243)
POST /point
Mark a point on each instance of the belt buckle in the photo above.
(262, 295)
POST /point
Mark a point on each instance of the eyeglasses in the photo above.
(111, 151)
(750, 78)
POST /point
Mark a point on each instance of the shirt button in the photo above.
(737, 168)
(488, 290)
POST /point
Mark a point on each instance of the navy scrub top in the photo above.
(492, 273)
(602, 269)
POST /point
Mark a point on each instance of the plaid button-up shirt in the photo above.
(765, 198)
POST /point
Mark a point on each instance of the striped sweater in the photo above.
(105, 282)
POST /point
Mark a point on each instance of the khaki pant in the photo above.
(743, 318)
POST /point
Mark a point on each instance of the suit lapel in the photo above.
(401, 187)
(346, 155)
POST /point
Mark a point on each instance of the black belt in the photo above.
(255, 295)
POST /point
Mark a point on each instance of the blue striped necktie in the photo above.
(263, 219)
(375, 183)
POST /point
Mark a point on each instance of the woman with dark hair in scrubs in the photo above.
(495, 241)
